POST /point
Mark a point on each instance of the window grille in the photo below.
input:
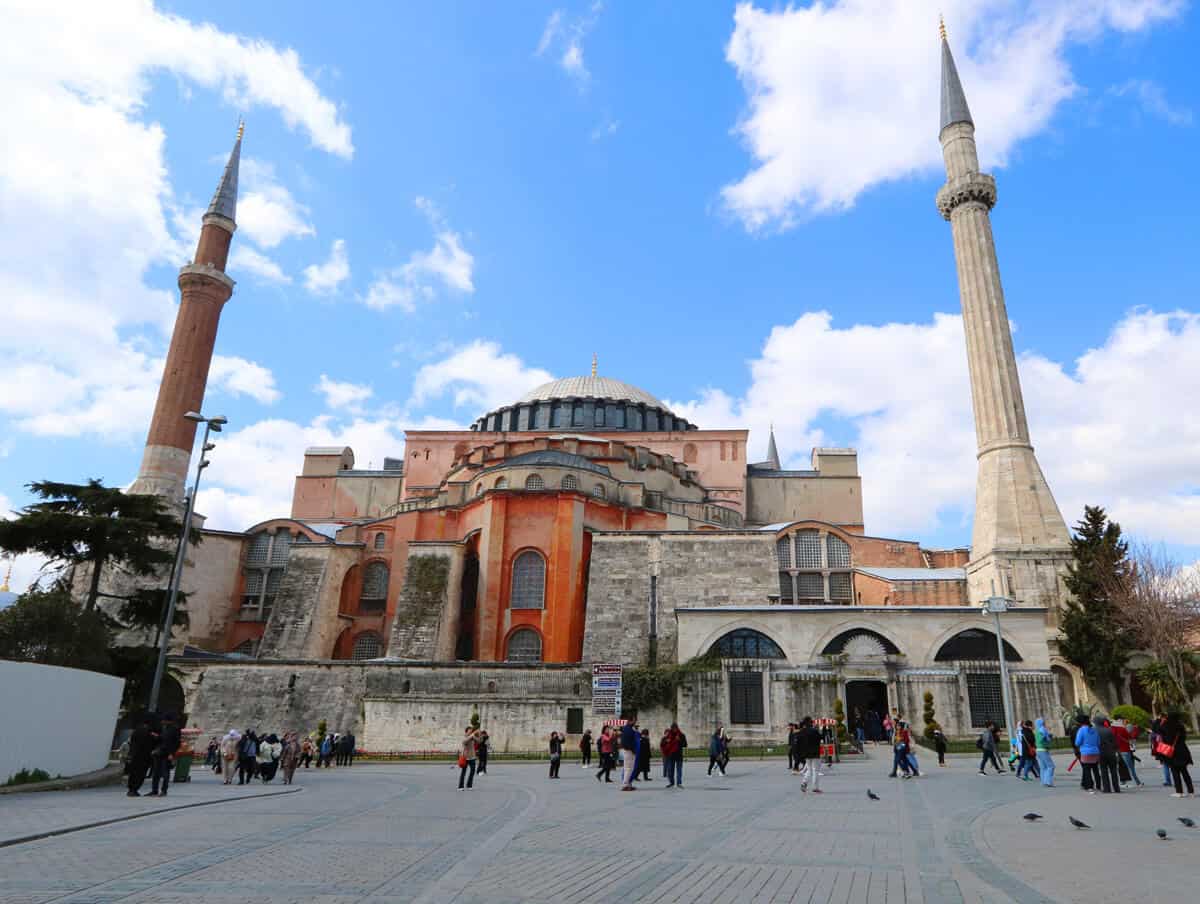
(259, 545)
(600, 415)
(375, 585)
(559, 417)
(840, 587)
(574, 720)
(746, 643)
(746, 698)
(598, 491)
(254, 586)
(810, 587)
(380, 540)
(577, 416)
(783, 551)
(274, 579)
(525, 645)
(535, 482)
(528, 582)
(619, 416)
(838, 551)
(366, 646)
(279, 548)
(808, 549)
(786, 590)
(501, 483)
(570, 482)
(986, 701)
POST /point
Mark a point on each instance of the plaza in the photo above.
(403, 833)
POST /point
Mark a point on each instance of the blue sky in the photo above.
(732, 206)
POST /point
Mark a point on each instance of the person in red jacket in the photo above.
(1125, 733)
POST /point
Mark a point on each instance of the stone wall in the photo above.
(304, 622)
(617, 624)
(423, 628)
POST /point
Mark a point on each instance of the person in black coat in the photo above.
(1174, 735)
(642, 768)
(141, 743)
(163, 756)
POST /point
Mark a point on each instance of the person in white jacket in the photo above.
(269, 750)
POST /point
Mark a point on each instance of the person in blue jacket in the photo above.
(631, 740)
(1087, 745)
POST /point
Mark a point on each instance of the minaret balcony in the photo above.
(977, 188)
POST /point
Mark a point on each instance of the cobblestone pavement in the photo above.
(402, 833)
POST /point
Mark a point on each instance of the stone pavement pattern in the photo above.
(402, 833)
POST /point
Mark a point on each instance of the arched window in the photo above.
(598, 491)
(535, 482)
(838, 551)
(570, 482)
(689, 453)
(380, 540)
(479, 489)
(366, 646)
(814, 568)
(501, 483)
(975, 644)
(746, 643)
(375, 587)
(859, 643)
(259, 548)
(524, 645)
(528, 581)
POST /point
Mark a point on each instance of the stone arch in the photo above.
(860, 642)
(740, 624)
(746, 643)
(963, 641)
(525, 643)
(848, 627)
(690, 455)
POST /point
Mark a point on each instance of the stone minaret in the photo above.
(204, 288)
(1020, 543)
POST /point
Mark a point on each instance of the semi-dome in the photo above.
(592, 403)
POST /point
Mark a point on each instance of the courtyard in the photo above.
(403, 833)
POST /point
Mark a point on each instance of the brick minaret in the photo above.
(204, 288)
(1020, 542)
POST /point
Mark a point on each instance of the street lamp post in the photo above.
(997, 605)
(211, 425)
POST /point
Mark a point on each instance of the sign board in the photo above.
(606, 689)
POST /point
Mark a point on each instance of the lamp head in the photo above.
(218, 420)
(194, 416)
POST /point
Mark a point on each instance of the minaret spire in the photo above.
(204, 288)
(773, 451)
(1020, 542)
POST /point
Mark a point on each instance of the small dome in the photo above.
(590, 388)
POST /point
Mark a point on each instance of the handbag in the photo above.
(462, 761)
(1164, 750)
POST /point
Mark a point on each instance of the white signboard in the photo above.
(606, 689)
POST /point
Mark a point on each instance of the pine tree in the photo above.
(46, 626)
(1091, 638)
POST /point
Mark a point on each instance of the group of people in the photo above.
(151, 750)
(249, 755)
(804, 753)
(473, 757)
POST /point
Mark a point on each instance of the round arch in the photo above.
(530, 645)
(739, 625)
(745, 643)
(528, 570)
(848, 627)
(972, 643)
(846, 639)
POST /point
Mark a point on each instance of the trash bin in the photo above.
(187, 750)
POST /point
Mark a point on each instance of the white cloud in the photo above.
(479, 376)
(323, 279)
(1153, 100)
(86, 169)
(447, 264)
(266, 210)
(238, 377)
(343, 395)
(565, 36)
(244, 259)
(844, 95)
(1107, 430)
(605, 129)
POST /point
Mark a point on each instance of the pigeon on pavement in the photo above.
(1032, 817)
(1078, 824)
(871, 794)
(1161, 833)
(1190, 823)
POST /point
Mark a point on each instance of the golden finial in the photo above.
(595, 361)
(7, 578)
(241, 128)
(941, 26)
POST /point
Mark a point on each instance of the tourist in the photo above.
(326, 751)
(1087, 742)
(888, 725)
(307, 749)
(482, 749)
(792, 741)
(212, 756)
(1175, 753)
(860, 731)
(585, 749)
(673, 746)
(346, 748)
(939, 744)
(808, 748)
(643, 757)
(724, 749)
(247, 752)
(1109, 778)
(1155, 736)
(986, 742)
(229, 754)
(1125, 734)
(715, 747)
(900, 743)
(1028, 748)
(604, 748)
(466, 758)
(163, 756)
(289, 759)
(269, 751)
(141, 745)
(556, 746)
(873, 726)
(631, 739)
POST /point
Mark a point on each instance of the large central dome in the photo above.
(590, 388)
(595, 404)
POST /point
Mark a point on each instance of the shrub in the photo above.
(931, 724)
(28, 777)
(839, 716)
(1134, 714)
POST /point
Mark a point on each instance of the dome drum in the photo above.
(602, 415)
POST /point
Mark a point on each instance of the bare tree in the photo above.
(1158, 604)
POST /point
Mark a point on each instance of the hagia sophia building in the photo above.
(486, 569)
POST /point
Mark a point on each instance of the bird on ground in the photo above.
(1190, 823)
(1078, 823)
(1161, 833)
(871, 794)
(1032, 817)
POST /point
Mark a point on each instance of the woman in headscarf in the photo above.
(1042, 742)
(229, 754)
(269, 750)
(289, 759)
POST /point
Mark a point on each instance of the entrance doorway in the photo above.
(866, 705)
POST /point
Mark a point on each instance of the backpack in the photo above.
(979, 743)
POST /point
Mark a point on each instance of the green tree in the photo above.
(47, 626)
(1091, 637)
(931, 723)
(91, 524)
